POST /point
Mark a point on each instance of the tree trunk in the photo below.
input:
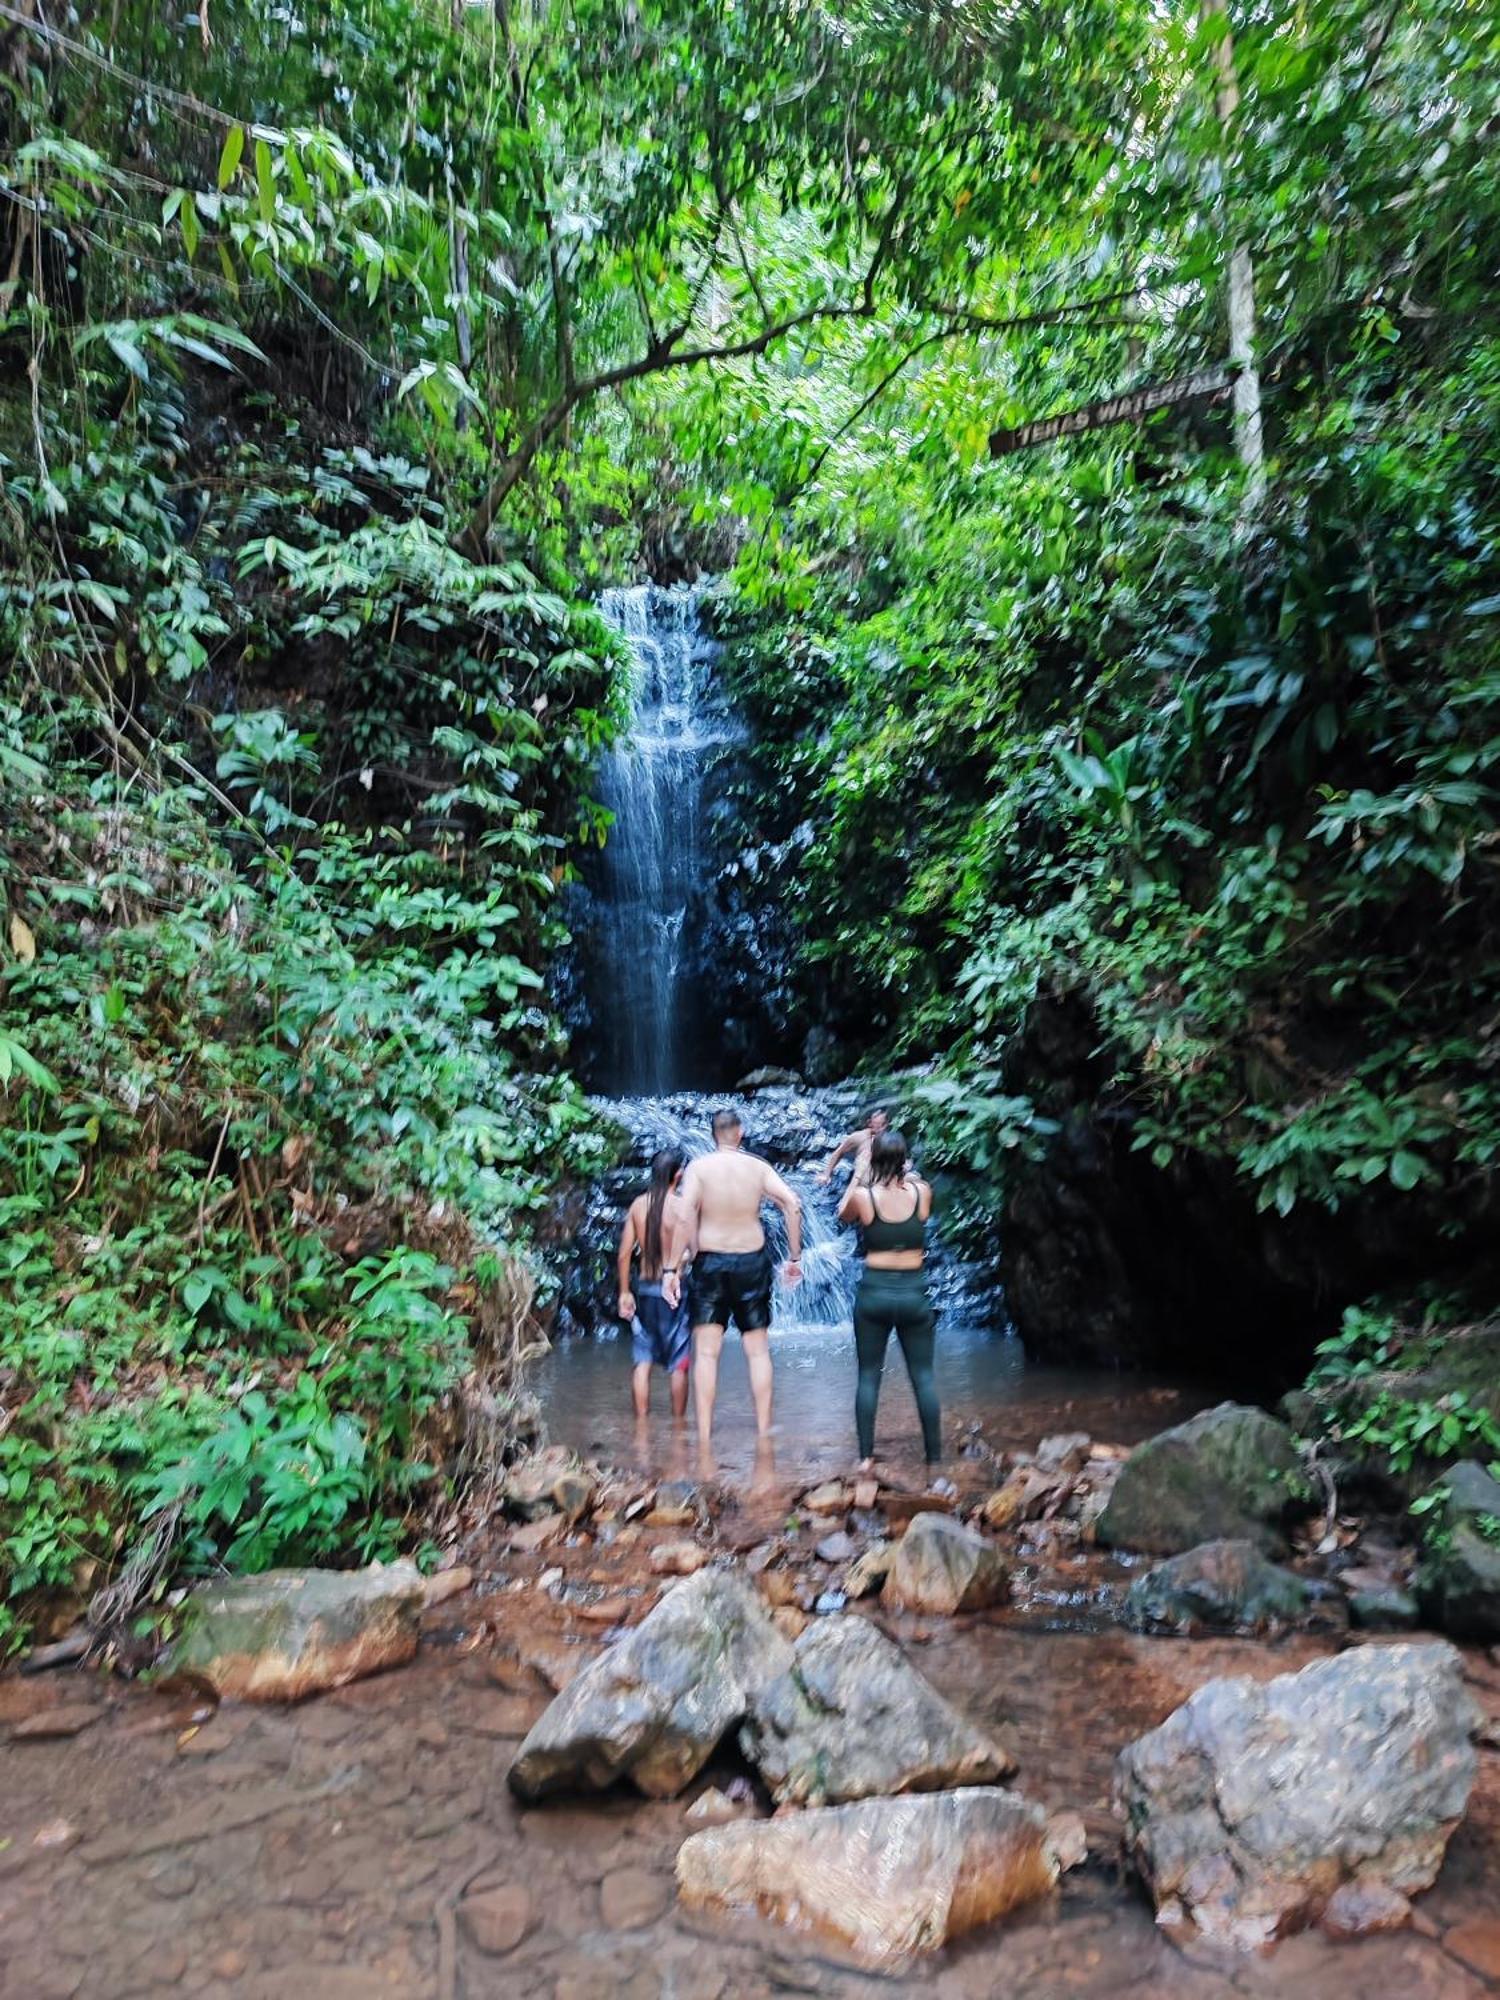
(1248, 438)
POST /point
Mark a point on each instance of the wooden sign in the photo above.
(1211, 384)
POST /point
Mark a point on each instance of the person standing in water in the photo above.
(859, 1144)
(891, 1209)
(659, 1332)
(719, 1210)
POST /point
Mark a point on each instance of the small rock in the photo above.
(208, 1739)
(678, 1504)
(69, 1718)
(1068, 1840)
(228, 1965)
(607, 1611)
(827, 1602)
(714, 1808)
(942, 1566)
(533, 1535)
(572, 1495)
(869, 1571)
(630, 1898)
(496, 1920)
(781, 1586)
(1355, 1909)
(832, 1497)
(528, 1488)
(445, 1583)
(1065, 1453)
(836, 1548)
(430, 1734)
(790, 1621)
(886, 1879)
(866, 1494)
(761, 1557)
(678, 1559)
(56, 1834)
(1005, 1504)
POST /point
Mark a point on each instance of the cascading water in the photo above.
(656, 1006)
(650, 881)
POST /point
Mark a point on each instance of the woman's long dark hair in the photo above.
(665, 1167)
(889, 1158)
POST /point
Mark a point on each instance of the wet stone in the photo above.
(66, 1719)
(630, 1898)
(1357, 1909)
(496, 1920)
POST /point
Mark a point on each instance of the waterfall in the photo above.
(796, 1130)
(649, 885)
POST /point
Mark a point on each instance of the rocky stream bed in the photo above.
(434, 1830)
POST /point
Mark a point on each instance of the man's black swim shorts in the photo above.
(730, 1286)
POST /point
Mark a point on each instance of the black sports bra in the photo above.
(908, 1234)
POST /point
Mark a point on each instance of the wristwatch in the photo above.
(669, 1270)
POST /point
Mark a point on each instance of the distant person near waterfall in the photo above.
(859, 1144)
(659, 1332)
(891, 1208)
(719, 1209)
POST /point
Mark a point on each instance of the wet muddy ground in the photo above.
(347, 1849)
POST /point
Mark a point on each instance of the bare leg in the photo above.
(707, 1341)
(677, 1382)
(640, 1387)
(757, 1347)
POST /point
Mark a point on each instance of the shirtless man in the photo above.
(718, 1208)
(857, 1143)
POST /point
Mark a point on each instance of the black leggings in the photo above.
(887, 1302)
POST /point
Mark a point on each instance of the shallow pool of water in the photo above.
(984, 1380)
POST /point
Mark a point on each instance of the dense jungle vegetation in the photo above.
(348, 348)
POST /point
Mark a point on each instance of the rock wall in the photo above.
(1107, 1259)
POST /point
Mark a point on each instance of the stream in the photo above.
(150, 1845)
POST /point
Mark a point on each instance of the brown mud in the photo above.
(364, 1844)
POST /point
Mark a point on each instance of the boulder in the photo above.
(1231, 1473)
(851, 1719)
(653, 1708)
(941, 1565)
(291, 1632)
(1458, 1581)
(885, 1879)
(1228, 1584)
(1256, 1800)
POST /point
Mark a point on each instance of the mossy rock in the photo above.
(1458, 1582)
(1225, 1585)
(1229, 1474)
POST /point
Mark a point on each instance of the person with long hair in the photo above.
(891, 1206)
(659, 1330)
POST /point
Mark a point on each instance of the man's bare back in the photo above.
(726, 1189)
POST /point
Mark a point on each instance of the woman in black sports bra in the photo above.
(891, 1209)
